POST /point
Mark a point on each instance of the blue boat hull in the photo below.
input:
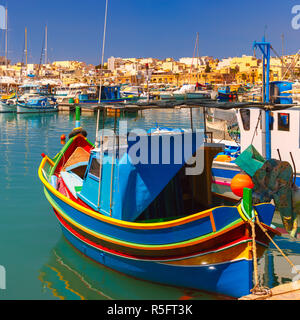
(232, 279)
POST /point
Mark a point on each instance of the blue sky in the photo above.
(147, 28)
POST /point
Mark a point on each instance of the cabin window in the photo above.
(95, 168)
(283, 122)
(245, 115)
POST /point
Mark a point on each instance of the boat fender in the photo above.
(77, 131)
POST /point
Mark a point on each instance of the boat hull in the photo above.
(33, 109)
(7, 107)
(223, 266)
(233, 279)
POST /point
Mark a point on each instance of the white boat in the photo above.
(131, 91)
(285, 134)
(73, 92)
(7, 106)
(191, 91)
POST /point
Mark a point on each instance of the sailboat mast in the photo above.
(101, 66)
(98, 113)
(282, 54)
(195, 52)
(26, 51)
(6, 38)
(46, 45)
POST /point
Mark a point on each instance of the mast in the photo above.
(101, 66)
(26, 51)
(46, 45)
(195, 52)
(98, 113)
(6, 38)
(265, 48)
(282, 53)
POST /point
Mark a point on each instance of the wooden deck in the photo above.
(288, 291)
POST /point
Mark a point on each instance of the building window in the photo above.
(283, 122)
(245, 115)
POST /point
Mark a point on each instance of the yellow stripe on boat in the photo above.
(182, 244)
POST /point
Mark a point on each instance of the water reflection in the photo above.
(70, 275)
(274, 269)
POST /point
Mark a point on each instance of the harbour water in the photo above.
(39, 262)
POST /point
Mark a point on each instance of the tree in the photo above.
(207, 68)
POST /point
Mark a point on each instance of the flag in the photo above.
(3, 22)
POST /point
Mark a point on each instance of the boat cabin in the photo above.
(116, 184)
(285, 132)
(108, 93)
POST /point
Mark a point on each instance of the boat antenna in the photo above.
(101, 66)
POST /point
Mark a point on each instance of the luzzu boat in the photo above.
(7, 103)
(38, 105)
(109, 94)
(169, 230)
(225, 94)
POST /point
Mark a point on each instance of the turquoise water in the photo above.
(39, 262)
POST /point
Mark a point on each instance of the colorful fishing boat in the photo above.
(225, 94)
(171, 230)
(109, 94)
(8, 103)
(12, 95)
(38, 105)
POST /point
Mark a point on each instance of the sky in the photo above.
(147, 28)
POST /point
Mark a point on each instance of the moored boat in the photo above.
(38, 105)
(7, 106)
(225, 94)
(112, 210)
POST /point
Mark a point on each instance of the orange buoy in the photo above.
(239, 182)
(62, 139)
(223, 158)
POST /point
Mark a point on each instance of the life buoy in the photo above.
(43, 103)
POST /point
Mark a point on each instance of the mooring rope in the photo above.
(277, 247)
(260, 290)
